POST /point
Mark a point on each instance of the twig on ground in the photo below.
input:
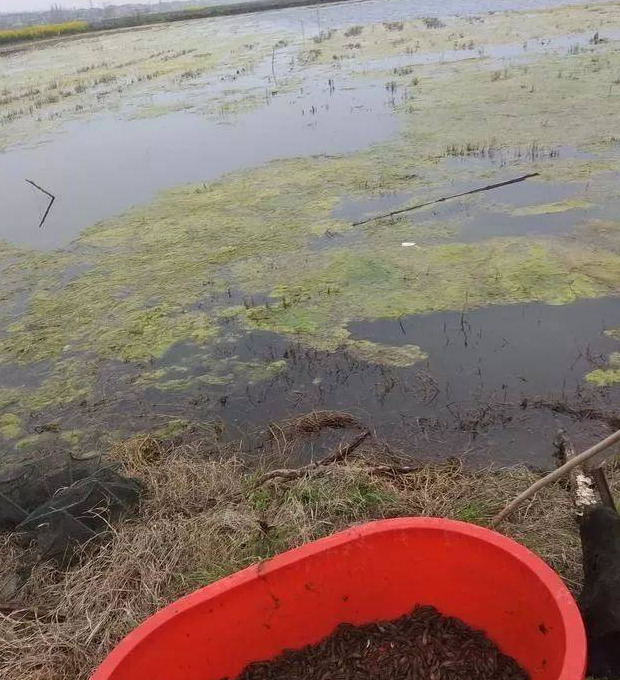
(19, 611)
(343, 452)
(585, 412)
(337, 456)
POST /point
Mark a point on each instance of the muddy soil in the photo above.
(421, 645)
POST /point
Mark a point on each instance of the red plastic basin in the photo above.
(376, 571)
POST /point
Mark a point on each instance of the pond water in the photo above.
(475, 393)
(483, 361)
(485, 366)
(364, 12)
(467, 395)
(103, 166)
(107, 163)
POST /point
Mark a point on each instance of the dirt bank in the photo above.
(206, 515)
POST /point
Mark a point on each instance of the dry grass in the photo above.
(314, 422)
(202, 519)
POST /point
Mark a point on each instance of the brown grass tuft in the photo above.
(315, 422)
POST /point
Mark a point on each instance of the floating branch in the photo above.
(488, 187)
(47, 193)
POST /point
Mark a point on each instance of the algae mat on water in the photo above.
(204, 265)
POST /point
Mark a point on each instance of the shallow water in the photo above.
(496, 54)
(103, 166)
(506, 352)
(366, 12)
(547, 208)
(467, 396)
(481, 359)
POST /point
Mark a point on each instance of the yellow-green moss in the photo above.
(603, 377)
(10, 426)
(386, 355)
(551, 208)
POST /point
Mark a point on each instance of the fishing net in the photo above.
(61, 509)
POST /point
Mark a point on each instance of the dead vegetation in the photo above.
(204, 517)
(316, 421)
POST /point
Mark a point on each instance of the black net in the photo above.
(62, 509)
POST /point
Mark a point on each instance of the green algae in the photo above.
(472, 34)
(10, 426)
(610, 375)
(73, 438)
(602, 233)
(43, 87)
(69, 381)
(173, 428)
(552, 208)
(395, 282)
(30, 443)
(386, 355)
(221, 372)
(604, 377)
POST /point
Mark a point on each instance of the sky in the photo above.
(25, 5)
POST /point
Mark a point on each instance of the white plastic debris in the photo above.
(410, 244)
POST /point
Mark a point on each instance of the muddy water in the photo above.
(467, 396)
(473, 394)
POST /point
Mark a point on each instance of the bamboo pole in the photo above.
(555, 475)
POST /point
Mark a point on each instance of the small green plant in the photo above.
(499, 75)
(190, 74)
(403, 70)
(260, 499)
(365, 496)
(393, 25)
(473, 512)
(310, 56)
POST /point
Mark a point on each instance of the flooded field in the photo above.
(221, 251)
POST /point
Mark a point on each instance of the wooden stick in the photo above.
(343, 452)
(488, 187)
(581, 484)
(555, 475)
(602, 486)
(337, 456)
(51, 203)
